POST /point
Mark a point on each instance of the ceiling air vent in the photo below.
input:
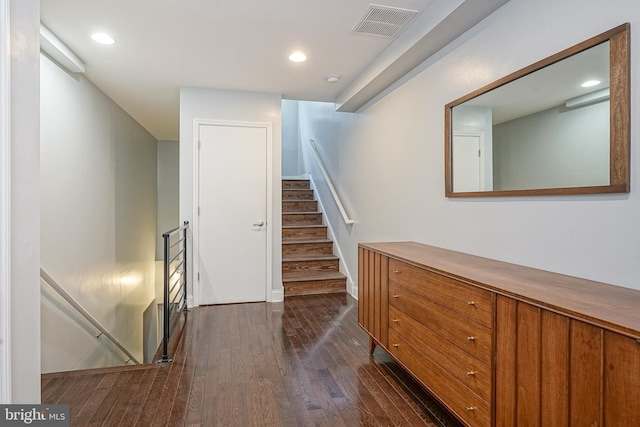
(385, 21)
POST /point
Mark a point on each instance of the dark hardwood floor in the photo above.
(303, 362)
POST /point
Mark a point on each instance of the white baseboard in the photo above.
(353, 289)
(303, 176)
(277, 295)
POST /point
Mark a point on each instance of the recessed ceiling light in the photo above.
(297, 57)
(590, 83)
(102, 38)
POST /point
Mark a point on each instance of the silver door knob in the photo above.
(259, 224)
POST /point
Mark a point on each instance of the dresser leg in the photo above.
(372, 345)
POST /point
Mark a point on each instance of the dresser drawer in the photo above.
(469, 301)
(461, 365)
(467, 335)
(458, 398)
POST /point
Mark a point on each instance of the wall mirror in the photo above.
(559, 126)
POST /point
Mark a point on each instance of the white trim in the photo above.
(60, 52)
(485, 159)
(5, 206)
(303, 176)
(351, 288)
(327, 179)
(277, 295)
(196, 202)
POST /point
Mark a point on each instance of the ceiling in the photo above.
(548, 87)
(162, 45)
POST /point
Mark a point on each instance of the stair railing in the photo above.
(84, 313)
(336, 198)
(175, 284)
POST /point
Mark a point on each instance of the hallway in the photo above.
(302, 362)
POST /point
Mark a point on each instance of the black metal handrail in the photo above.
(175, 284)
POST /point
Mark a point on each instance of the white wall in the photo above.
(558, 147)
(232, 106)
(168, 191)
(389, 159)
(23, 386)
(98, 237)
(290, 139)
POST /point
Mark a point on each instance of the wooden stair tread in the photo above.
(304, 192)
(311, 258)
(301, 213)
(309, 265)
(308, 241)
(333, 275)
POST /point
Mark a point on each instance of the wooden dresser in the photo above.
(501, 344)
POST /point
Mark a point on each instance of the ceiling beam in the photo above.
(439, 24)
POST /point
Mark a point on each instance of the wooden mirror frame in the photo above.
(620, 118)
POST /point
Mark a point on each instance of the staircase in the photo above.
(308, 263)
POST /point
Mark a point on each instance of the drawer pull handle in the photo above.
(471, 338)
(395, 296)
(395, 320)
(396, 272)
(471, 303)
(394, 345)
(471, 373)
(469, 408)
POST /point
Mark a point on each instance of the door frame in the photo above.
(485, 159)
(5, 206)
(197, 123)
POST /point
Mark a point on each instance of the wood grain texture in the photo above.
(299, 206)
(304, 232)
(621, 373)
(528, 365)
(459, 399)
(296, 248)
(300, 266)
(377, 295)
(505, 368)
(553, 366)
(432, 331)
(611, 307)
(298, 363)
(470, 371)
(620, 107)
(470, 337)
(373, 294)
(554, 387)
(585, 375)
(306, 218)
(362, 278)
(295, 184)
(318, 283)
(468, 301)
(296, 194)
(309, 265)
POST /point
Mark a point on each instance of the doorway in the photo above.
(231, 236)
(469, 154)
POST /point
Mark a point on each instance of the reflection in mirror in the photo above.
(545, 129)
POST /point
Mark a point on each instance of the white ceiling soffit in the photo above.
(59, 52)
(440, 23)
(385, 21)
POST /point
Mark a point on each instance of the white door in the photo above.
(467, 173)
(232, 229)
